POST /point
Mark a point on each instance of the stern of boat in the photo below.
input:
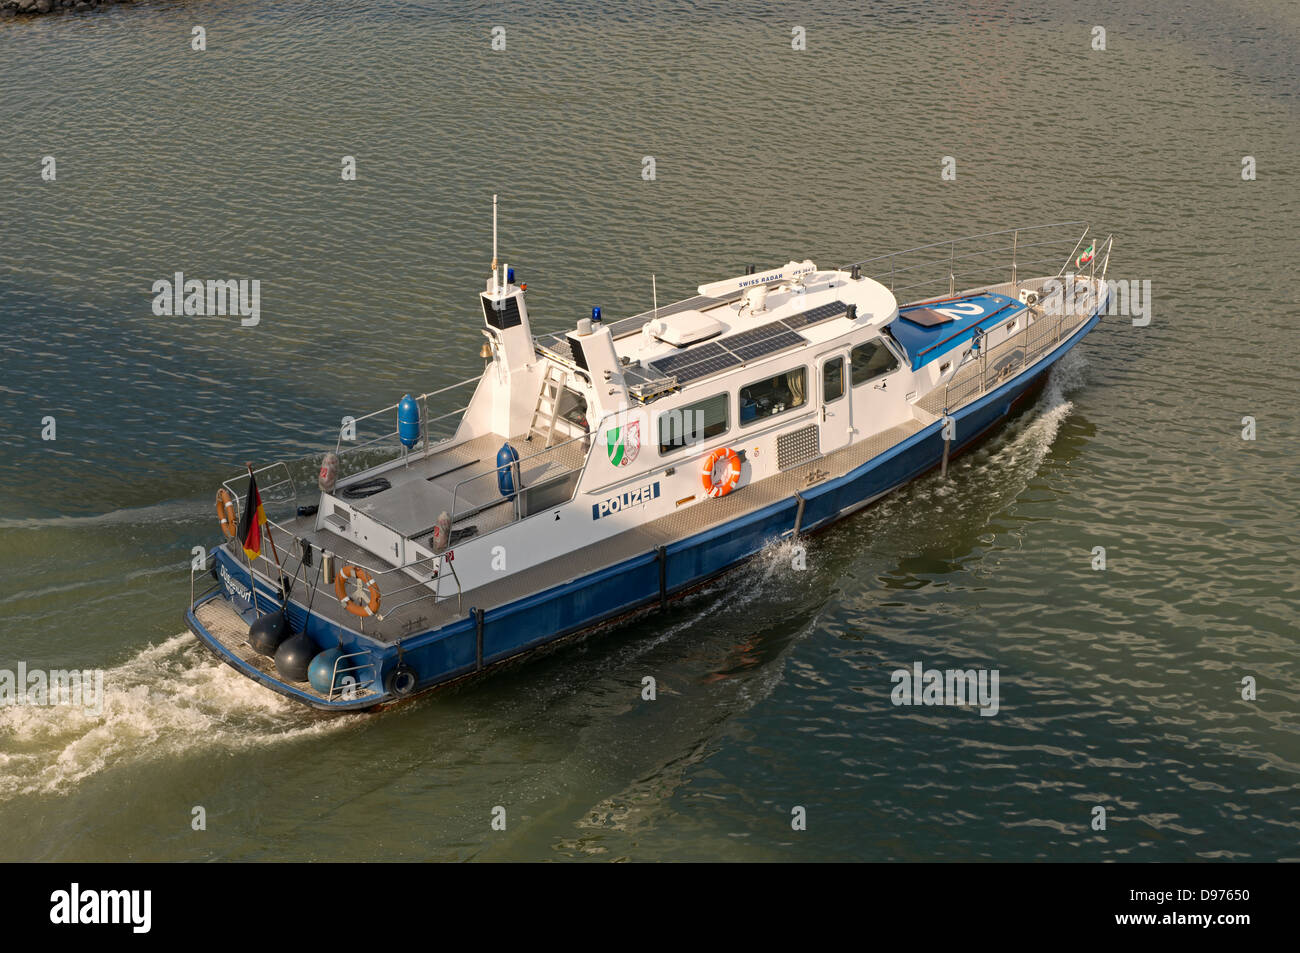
(219, 621)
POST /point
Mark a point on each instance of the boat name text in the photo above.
(235, 588)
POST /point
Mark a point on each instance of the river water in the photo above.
(1119, 689)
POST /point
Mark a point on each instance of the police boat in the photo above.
(597, 473)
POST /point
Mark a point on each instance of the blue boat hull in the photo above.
(485, 639)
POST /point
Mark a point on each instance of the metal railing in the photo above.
(267, 491)
(984, 259)
(215, 585)
(350, 671)
(437, 562)
(568, 471)
(1045, 323)
(344, 446)
(556, 454)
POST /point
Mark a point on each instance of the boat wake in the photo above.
(167, 701)
(990, 477)
(169, 511)
(1027, 440)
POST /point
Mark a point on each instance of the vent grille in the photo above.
(796, 447)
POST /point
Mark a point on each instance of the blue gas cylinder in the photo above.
(506, 457)
(408, 421)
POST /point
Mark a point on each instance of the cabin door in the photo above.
(836, 407)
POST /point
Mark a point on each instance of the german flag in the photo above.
(252, 520)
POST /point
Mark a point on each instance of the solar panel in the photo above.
(754, 335)
(712, 357)
(710, 365)
(669, 364)
(816, 315)
(779, 342)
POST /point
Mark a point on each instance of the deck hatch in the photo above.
(928, 317)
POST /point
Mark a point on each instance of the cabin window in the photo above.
(572, 406)
(684, 426)
(871, 360)
(774, 395)
(501, 314)
(833, 380)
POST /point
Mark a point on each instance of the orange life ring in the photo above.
(226, 513)
(729, 479)
(340, 590)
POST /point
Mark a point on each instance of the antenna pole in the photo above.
(654, 291)
(494, 242)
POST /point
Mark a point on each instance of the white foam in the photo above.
(167, 701)
(170, 511)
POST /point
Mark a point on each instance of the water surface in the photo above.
(1119, 688)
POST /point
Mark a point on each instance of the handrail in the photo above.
(425, 419)
(965, 274)
(592, 434)
(966, 238)
(922, 262)
(434, 578)
(1046, 342)
(589, 435)
(358, 685)
(1066, 263)
(288, 478)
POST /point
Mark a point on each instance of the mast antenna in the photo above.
(494, 240)
(654, 291)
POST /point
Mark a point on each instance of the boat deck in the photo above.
(1002, 362)
(228, 627)
(461, 480)
(429, 613)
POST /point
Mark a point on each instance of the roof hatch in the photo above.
(685, 329)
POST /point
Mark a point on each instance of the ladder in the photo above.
(548, 403)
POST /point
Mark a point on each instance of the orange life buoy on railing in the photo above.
(363, 577)
(729, 479)
(226, 513)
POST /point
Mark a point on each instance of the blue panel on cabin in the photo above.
(958, 320)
